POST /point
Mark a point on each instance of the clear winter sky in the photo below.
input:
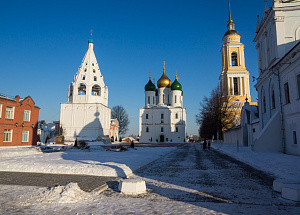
(42, 44)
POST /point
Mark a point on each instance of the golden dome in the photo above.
(164, 81)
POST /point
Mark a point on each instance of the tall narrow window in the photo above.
(148, 99)
(234, 59)
(153, 99)
(264, 102)
(9, 112)
(95, 78)
(235, 86)
(0, 110)
(147, 116)
(162, 116)
(295, 137)
(175, 99)
(176, 129)
(161, 129)
(25, 136)
(176, 116)
(298, 85)
(147, 129)
(94, 71)
(83, 78)
(287, 93)
(273, 98)
(163, 98)
(26, 115)
(92, 64)
(7, 135)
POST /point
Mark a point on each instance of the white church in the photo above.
(86, 115)
(163, 119)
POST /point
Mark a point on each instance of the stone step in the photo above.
(279, 183)
(291, 192)
(132, 186)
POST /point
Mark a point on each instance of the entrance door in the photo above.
(162, 138)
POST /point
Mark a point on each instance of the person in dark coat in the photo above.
(132, 144)
(204, 144)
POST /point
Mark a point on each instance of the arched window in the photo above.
(147, 129)
(82, 89)
(176, 116)
(96, 90)
(234, 60)
(148, 99)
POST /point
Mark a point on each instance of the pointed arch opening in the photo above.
(234, 59)
(82, 89)
(96, 90)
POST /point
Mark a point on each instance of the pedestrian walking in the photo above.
(204, 144)
(132, 144)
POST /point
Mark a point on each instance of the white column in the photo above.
(228, 86)
(240, 87)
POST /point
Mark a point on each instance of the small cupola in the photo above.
(150, 86)
(176, 85)
(164, 81)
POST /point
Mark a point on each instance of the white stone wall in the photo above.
(85, 120)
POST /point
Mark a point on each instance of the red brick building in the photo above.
(18, 121)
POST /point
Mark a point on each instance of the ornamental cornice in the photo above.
(279, 18)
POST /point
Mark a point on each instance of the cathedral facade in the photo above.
(86, 114)
(163, 119)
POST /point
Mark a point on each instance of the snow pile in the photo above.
(17, 151)
(84, 162)
(69, 193)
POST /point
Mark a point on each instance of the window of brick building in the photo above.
(7, 135)
(26, 115)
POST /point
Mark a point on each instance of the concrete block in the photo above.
(291, 192)
(279, 183)
(132, 186)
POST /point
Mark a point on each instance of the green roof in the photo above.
(176, 85)
(150, 86)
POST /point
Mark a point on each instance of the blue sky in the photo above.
(43, 42)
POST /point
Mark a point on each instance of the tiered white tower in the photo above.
(163, 119)
(86, 114)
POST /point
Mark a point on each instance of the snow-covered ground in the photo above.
(70, 199)
(282, 166)
(96, 161)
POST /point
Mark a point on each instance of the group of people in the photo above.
(206, 144)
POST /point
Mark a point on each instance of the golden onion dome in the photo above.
(164, 81)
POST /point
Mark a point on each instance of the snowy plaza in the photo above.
(185, 179)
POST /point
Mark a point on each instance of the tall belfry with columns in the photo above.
(234, 79)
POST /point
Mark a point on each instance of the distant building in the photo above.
(278, 85)
(163, 119)
(114, 130)
(18, 121)
(86, 114)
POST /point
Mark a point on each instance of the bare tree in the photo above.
(118, 112)
(215, 115)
